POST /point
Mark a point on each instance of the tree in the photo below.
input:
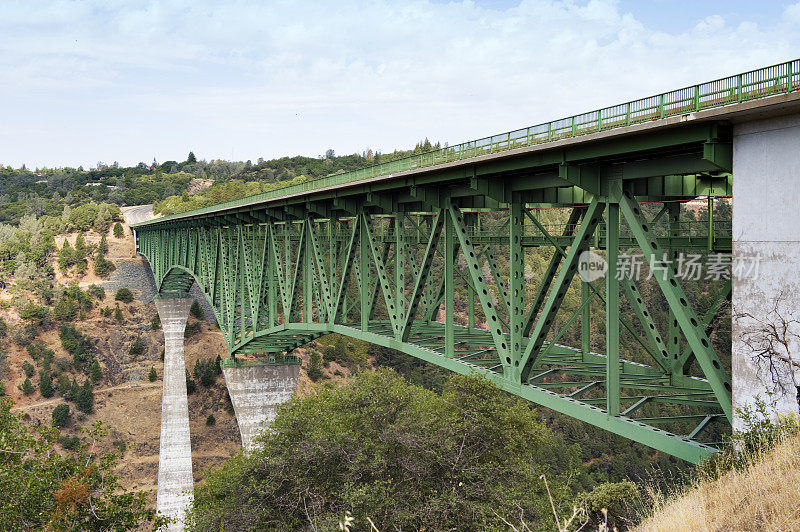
(45, 384)
(45, 488)
(152, 375)
(95, 371)
(118, 314)
(137, 347)
(103, 266)
(61, 415)
(119, 232)
(474, 455)
(191, 159)
(124, 295)
(155, 323)
(191, 385)
(85, 398)
(102, 247)
(66, 256)
(80, 248)
(771, 339)
(27, 387)
(197, 311)
(65, 309)
(96, 291)
(28, 368)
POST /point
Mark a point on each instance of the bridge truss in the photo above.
(436, 263)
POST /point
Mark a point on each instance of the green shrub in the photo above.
(191, 385)
(610, 503)
(137, 348)
(119, 232)
(313, 369)
(124, 295)
(28, 368)
(210, 420)
(152, 376)
(45, 384)
(118, 314)
(102, 247)
(69, 442)
(61, 415)
(95, 371)
(65, 309)
(191, 329)
(155, 323)
(3, 328)
(103, 266)
(97, 292)
(197, 311)
(77, 344)
(27, 387)
(84, 401)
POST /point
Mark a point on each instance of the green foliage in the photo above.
(405, 457)
(27, 387)
(28, 368)
(66, 257)
(45, 384)
(84, 400)
(44, 489)
(313, 369)
(119, 232)
(197, 311)
(210, 420)
(761, 431)
(63, 385)
(152, 375)
(124, 295)
(95, 371)
(137, 347)
(611, 503)
(155, 323)
(61, 415)
(3, 328)
(191, 159)
(96, 291)
(77, 344)
(65, 309)
(34, 313)
(103, 266)
(205, 371)
(25, 335)
(118, 314)
(102, 247)
(191, 385)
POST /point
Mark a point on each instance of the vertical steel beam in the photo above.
(516, 300)
(612, 299)
(586, 323)
(449, 292)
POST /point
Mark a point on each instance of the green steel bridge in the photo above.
(405, 255)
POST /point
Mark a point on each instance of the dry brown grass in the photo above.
(765, 496)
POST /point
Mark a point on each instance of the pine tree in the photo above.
(27, 387)
(152, 376)
(61, 415)
(102, 247)
(155, 323)
(191, 158)
(85, 398)
(95, 372)
(45, 384)
(119, 232)
(80, 248)
(66, 257)
(118, 314)
(197, 311)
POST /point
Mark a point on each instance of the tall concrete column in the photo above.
(175, 480)
(766, 242)
(256, 392)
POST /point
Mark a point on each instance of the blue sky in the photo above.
(127, 81)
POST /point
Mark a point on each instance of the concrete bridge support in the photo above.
(766, 245)
(175, 480)
(256, 391)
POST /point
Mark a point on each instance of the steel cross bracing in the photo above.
(438, 265)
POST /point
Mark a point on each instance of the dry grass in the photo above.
(764, 496)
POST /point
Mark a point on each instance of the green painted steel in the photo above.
(435, 264)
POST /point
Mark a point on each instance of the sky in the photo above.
(109, 80)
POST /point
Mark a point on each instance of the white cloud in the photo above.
(129, 80)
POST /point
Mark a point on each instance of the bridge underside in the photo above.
(474, 268)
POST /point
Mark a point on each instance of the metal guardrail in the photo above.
(752, 85)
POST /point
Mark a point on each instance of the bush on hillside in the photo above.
(124, 295)
(403, 456)
(197, 311)
(61, 415)
(119, 232)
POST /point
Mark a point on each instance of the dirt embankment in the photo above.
(124, 398)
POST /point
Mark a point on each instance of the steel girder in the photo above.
(439, 271)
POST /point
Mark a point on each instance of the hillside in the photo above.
(761, 496)
(124, 398)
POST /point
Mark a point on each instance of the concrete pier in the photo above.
(256, 392)
(766, 218)
(175, 480)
